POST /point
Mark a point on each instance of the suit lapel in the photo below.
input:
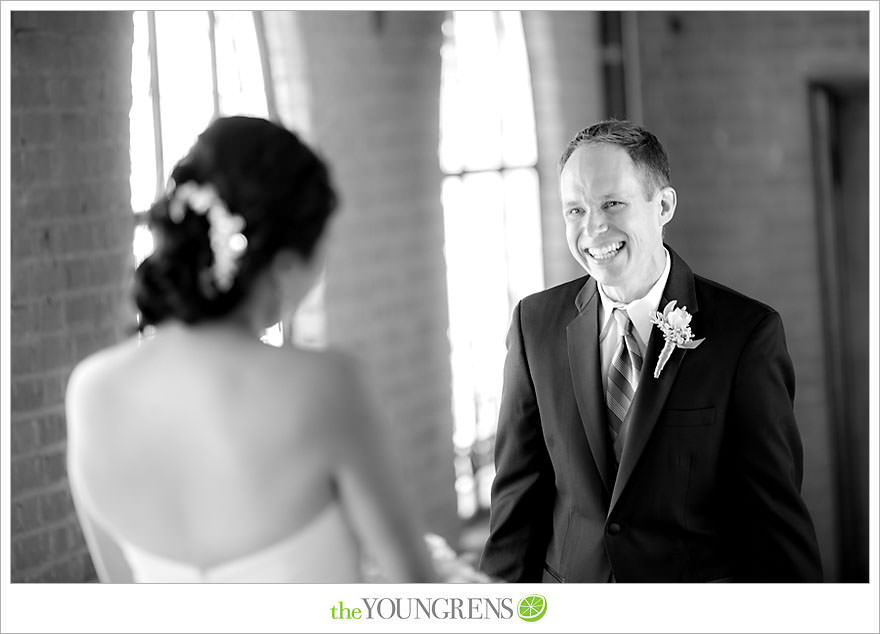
(652, 393)
(583, 356)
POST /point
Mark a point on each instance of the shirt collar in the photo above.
(639, 310)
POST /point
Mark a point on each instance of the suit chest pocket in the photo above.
(687, 417)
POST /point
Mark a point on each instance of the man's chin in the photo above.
(602, 274)
(605, 281)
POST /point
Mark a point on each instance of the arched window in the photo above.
(488, 153)
(189, 67)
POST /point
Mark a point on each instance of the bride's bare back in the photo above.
(202, 445)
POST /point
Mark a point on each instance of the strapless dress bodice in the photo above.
(324, 551)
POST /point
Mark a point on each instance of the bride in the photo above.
(200, 454)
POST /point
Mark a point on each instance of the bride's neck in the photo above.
(259, 310)
(248, 320)
(225, 327)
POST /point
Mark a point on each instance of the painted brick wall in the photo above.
(71, 228)
(375, 79)
(565, 63)
(288, 66)
(727, 94)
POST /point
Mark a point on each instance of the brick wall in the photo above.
(565, 63)
(374, 82)
(70, 222)
(727, 94)
(288, 65)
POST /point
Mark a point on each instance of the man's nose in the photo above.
(593, 222)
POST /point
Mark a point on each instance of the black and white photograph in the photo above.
(427, 311)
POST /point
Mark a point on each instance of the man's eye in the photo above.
(610, 204)
(575, 211)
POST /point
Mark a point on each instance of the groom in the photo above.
(613, 465)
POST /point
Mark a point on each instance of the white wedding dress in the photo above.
(324, 551)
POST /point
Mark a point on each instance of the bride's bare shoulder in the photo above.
(96, 371)
(332, 382)
(322, 372)
(95, 394)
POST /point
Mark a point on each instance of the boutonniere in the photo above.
(674, 323)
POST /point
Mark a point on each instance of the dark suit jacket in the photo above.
(709, 481)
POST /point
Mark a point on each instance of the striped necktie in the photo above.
(623, 376)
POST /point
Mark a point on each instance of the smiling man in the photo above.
(646, 431)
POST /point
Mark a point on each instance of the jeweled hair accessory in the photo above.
(228, 243)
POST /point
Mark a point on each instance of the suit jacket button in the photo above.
(613, 528)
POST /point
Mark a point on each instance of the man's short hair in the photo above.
(643, 148)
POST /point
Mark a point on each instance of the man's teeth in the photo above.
(606, 252)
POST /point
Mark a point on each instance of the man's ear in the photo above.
(668, 201)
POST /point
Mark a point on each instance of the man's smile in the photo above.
(606, 252)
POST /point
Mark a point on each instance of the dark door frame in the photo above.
(846, 436)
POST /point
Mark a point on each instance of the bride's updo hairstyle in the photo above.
(247, 189)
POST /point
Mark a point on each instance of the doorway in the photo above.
(840, 132)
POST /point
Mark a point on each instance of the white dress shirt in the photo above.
(639, 311)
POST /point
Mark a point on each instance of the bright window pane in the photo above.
(239, 75)
(273, 335)
(185, 85)
(487, 116)
(478, 302)
(451, 105)
(477, 115)
(143, 243)
(522, 224)
(143, 155)
(519, 145)
(491, 220)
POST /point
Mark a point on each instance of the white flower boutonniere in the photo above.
(674, 323)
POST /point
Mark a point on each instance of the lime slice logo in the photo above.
(532, 608)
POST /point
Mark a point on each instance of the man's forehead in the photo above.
(599, 170)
